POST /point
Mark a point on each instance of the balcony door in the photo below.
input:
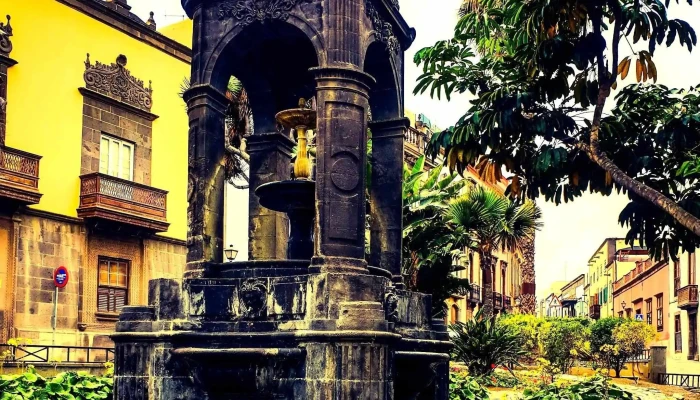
(116, 157)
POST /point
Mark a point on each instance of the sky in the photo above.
(572, 232)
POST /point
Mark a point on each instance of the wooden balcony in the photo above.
(19, 176)
(594, 311)
(475, 294)
(109, 200)
(507, 303)
(497, 301)
(688, 297)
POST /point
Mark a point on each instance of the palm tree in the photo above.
(489, 221)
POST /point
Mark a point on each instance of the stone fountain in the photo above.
(310, 316)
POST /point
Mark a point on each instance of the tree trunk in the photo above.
(686, 219)
(527, 271)
(487, 284)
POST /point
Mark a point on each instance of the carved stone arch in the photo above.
(385, 97)
(226, 46)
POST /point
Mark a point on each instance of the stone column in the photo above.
(342, 104)
(386, 204)
(5, 63)
(205, 191)
(270, 157)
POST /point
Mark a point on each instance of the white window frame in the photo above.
(121, 143)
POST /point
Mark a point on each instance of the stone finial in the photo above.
(151, 22)
(5, 34)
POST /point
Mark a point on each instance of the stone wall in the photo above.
(46, 242)
(43, 245)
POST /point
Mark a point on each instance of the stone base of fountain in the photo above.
(271, 330)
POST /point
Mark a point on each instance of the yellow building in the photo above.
(93, 165)
(612, 260)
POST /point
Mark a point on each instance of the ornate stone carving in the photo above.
(391, 305)
(253, 296)
(246, 12)
(383, 30)
(5, 34)
(395, 4)
(116, 81)
(527, 270)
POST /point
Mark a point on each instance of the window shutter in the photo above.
(125, 161)
(119, 299)
(103, 299)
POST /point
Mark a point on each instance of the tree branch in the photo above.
(237, 152)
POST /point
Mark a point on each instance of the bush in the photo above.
(465, 387)
(67, 385)
(595, 388)
(531, 329)
(565, 341)
(616, 340)
(483, 344)
(499, 379)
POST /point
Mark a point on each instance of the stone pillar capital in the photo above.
(388, 127)
(205, 96)
(343, 79)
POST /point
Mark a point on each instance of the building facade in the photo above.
(682, 348)
(611, 260)
(93, 165)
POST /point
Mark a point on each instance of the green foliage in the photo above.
(485, 220)
(465, 387)
(483, 344)
(538, 68)
(429, 243)
(65, 386)
(603, 342)
(596, 388)
(565, 341)
(499, 379)
(530, 329)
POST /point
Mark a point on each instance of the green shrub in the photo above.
(483, 344)
(616, 340)
(596, 388)
(499, 379)
(565, 341)
(65, 386)
(531, 329)
(465, 387)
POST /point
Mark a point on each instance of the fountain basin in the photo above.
(297, 199)
(297, 117)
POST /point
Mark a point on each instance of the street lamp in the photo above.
(231, 253)
(624, 305)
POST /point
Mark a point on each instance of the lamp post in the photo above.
(230, 253)
(624, 306)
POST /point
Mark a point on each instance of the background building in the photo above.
(93, 173)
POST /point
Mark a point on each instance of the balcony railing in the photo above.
(121, 201)
(507, 303)
(497, 301)
(19, 176)
(688, 297)
(637, 271)
(475, 294)
(594, 311)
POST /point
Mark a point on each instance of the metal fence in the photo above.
(684, 380)
(55, 354)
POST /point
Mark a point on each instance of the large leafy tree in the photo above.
(486, 221)
(542, 71)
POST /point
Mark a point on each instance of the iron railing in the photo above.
(497, 301)
(642, 357)
(684, 380)
(688, 297)
(475, 294)
(55, 354)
